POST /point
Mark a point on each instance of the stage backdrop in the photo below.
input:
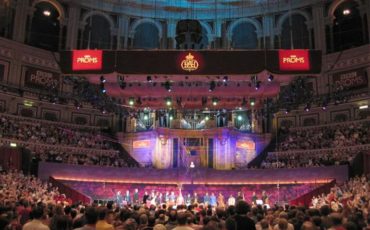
(190, 62)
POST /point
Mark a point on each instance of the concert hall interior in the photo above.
(184, 114)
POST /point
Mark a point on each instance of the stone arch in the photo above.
(209, 30)
(54, 3)
(235, 23)
(99, 13)
(287, 14)
(333, 6)
(146, 20)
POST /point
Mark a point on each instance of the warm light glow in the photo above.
(250, 145)
(363, 107)
(346, 11)
(28, 103)
(141, 144)
(14, 145)
(47, 13)
(207, 118)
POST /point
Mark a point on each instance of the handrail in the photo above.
(355, 147)
(7, 141)
(59, 123)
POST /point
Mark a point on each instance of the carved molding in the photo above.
(39, 61)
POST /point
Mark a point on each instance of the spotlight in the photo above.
(346, 12)
(131, 101)
(78, 105)
(46, 13)
(287, 111)
(214, 101)
(104, 91)
(168, 102)
(149, 79)
(207, 118)
(212, 86)
(270, 78)
(252, 101)
(307, 108)
(103, 111)
(171, 117)
(146, 117)
(102, 79)
(240, 117)
(258, 85)
(226, 78)
(167, 86)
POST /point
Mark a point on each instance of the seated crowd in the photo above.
(309, 159)
(38, 132)
(29, 204)
(330, 136)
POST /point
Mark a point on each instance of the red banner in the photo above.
(87, 60)
(294, 60)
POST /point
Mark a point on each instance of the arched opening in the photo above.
(347, 26)
(97, 33)
(244, 36)
(6, 20)
(299, 32)
(203, 44)
(146, 36)
(45, 27)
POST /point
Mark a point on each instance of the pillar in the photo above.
(20, 21)
(319, 27)
(171, 34)
(122, 32)
(72, 27)
(268, 31)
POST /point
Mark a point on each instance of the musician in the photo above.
(221, 200)
(136, 196)
(172, 198)
(167, 197)
(213, 200)
(180, 199)
(206, 199)
(119, 198)
(264, 197)
(159, 199)
(254, 198)
(195, 198)
(240, 197)
(188, 200)
(145, 197)
(231, 200)
(127, 197)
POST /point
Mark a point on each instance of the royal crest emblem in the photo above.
(190, 63)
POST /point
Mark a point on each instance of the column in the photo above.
(20, 21)
(268, 31)
(62, 24)
(72, 26)
(319, 27)
(123, 23)
(218, 33)
(171, 33)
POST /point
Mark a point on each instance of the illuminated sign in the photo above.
(249, 145)
(189, 63)
(141, 144)
(87, 59)
(294, 60)
(40, 79)
(353, 79)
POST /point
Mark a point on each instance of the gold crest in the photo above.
(189, 64)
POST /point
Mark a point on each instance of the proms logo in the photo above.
(189, 63)
(294, 60)
(87, 60)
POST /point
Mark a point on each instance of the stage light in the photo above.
(240, 117)
(146, 117)
(168, 102)
(192, 165)
(102, 79)
(207, 118)
(225, 79)
(167, 86)
(171, 117)
(46, 13)
(103, 111)
(287, 111)
(270, 78)
(346, 12)
(252, 101)
(258, 85)
(149, 79)
(307, 108)
(131, 101)
(212, 86)
(363, 107)
(214, 101)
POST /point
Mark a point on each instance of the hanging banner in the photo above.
(41, 79)
(87, 60)
(352, 79)
(294, 60)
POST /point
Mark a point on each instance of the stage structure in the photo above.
(218, 148)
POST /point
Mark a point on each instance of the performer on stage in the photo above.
(119, 198)
(231, 200)
(153, 198)
(172, 198)
(240, 197)
(264, 197)
(221, 200)
(167, 198)
(213, 200)
(145, 197)
(159, 199)
(188, 200)
(206, 199)
(127, 198)
(195, 198)
(254, 198)
(136, 196)
(180, 199)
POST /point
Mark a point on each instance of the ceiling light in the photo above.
(131, 101)
(46, 13)
(240, 117)
(346, 11)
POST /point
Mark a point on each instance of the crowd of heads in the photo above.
(25, 201)
(330, 136)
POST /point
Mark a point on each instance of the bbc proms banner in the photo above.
(352, 79)
(41, 79)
